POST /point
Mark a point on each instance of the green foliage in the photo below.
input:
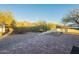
(41, 22)
(7, 18)
(72, 17)
(19, 30)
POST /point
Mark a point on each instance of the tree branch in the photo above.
(76, 21)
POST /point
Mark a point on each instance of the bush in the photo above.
(75, 28)
(21, 30)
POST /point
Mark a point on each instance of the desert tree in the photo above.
(72, 18)
(7, 19)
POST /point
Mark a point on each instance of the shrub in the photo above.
(21, 30)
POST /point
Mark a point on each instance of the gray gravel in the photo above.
(33, 43)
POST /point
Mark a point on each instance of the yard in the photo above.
(33, 43)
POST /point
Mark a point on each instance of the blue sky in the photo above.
(33, 12)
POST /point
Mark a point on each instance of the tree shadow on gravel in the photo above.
(75, 50)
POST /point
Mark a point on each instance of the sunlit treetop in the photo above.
(6, 18)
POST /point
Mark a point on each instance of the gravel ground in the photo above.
(33, 43)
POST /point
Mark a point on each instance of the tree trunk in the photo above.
(65, 28)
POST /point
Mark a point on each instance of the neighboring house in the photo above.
(62, 28)
(2, 29)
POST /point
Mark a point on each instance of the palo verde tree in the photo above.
(7, 19)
